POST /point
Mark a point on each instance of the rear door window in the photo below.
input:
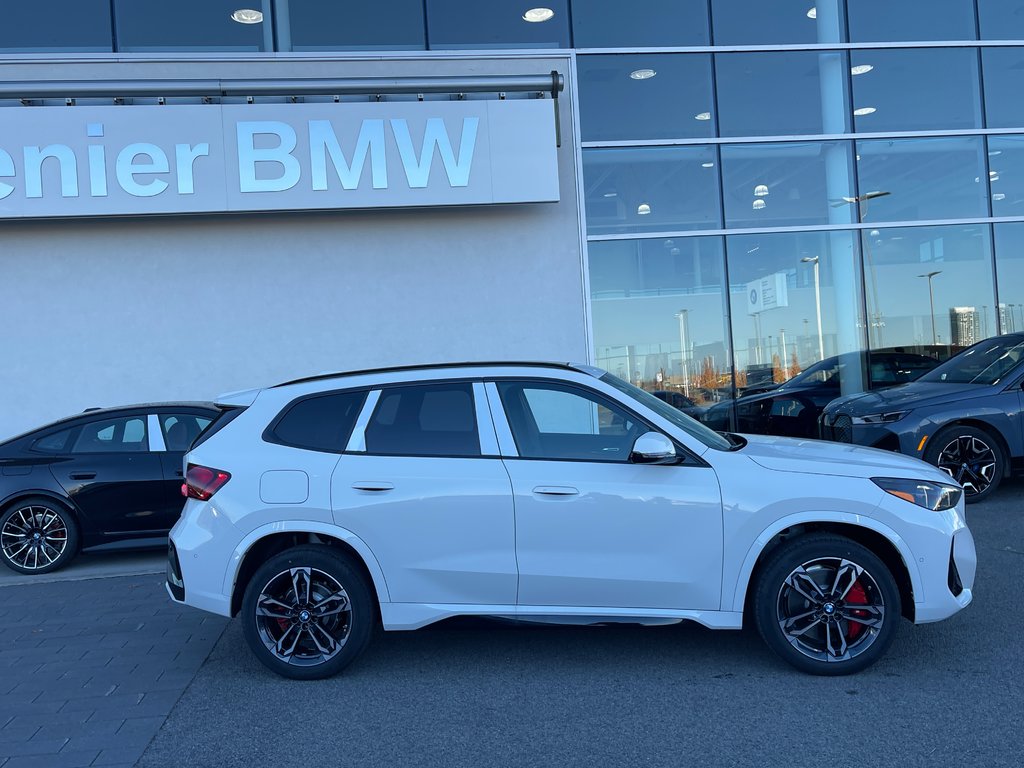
(425, 420)
(119, 435)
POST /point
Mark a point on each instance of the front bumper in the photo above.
(956, 589)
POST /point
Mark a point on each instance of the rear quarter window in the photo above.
(319, 422)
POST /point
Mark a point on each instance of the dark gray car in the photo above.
(964, 416)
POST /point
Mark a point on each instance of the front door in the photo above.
(114, 479)
(429, 495)
(593, 529)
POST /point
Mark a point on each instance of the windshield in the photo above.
(827, 371)
(692, 427)
(987, 362)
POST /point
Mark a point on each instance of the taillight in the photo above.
(202, 482)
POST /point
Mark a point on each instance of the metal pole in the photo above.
(817, 310)
(785, 363)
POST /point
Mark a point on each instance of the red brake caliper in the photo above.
(856, 596)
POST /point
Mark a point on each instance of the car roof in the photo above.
(596, 372)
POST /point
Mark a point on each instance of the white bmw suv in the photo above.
(552, 493)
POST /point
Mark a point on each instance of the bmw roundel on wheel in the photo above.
(546, 492)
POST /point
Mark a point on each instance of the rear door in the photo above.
(171, 434)
(422, 484)
(114, 479)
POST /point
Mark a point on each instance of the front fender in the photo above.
(307, 526)
(742, 579)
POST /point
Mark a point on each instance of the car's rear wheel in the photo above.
(826, 604)
(307, 613)
(971, 456)
(37, 535)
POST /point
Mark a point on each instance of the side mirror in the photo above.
(653, 448)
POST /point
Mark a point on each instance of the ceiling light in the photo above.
(643, 209)
(761, 190)
(873, 233)
(998, 196)
(813, 13)
(247, 16)
(758, 205)
(707, 165)
(995, 152)
(535, 15)
(702, 116)
(993, 175)
(860, 69)
(611, 194)
(864, 111)
(642, 74)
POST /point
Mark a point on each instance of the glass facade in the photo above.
(767, 185)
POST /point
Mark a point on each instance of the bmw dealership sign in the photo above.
(131, 160)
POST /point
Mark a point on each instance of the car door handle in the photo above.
(372, 485)
(556, 490)
(83, 475)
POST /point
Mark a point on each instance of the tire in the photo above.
(319, 633)
(971, 456)
(823, 640)
(37, 535)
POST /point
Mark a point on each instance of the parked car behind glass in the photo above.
(550, 493)
(965, 416)
(792, 409)
(103, 479)
(680, 402)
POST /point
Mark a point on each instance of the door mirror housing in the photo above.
(653, 448)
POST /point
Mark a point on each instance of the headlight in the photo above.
(924, 493)
(880, 418)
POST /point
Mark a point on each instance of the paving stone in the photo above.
(60, 760)
(118, 756)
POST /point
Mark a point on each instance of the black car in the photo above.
(964, 417)
(104, 479)
(680, 402)
(792, 409)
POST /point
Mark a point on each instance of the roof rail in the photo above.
(439, 366)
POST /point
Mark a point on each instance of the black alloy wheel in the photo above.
(826, 605)
(37, 536)
(307, 613)
(971, 456)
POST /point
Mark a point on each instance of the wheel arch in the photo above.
(264, 543)
(885, 543)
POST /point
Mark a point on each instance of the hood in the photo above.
(817, 457)
(916, 394)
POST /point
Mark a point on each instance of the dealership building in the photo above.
(210, 195)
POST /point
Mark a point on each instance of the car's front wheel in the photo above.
(307, 613)
(826, 604)
(971, 456)
(37, 536)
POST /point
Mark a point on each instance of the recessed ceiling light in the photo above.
(702, 116)
(707, 165)
(993, 175)
(761, 190)
(873, 233)
(813, 13)
(535, 15)
(611, 194)
(643, 209)
(758, 205)
(247, 16)
(998, 196)
(864, 111)
(642, 74)
(861, 69)
(995, 152)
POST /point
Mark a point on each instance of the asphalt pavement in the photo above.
(479, 693)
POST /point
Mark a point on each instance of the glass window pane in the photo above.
(781, 93)
(327, 25)
(63, 25)
(1001, 19)
(929, 287)
(915, 89)
(644, 23)
(884, 20)
(54, 443)
(1010, 268)
(658, 310)
(321, 423)
(187, 25)
(113, 436)
(1004, 83)
(181, 429)
(651, 189)
(1006, 174)
(781, 285)
(428, 420)
(756, 22)
(768, 185)
(912, 179)
(645, 96)
(456, 24)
